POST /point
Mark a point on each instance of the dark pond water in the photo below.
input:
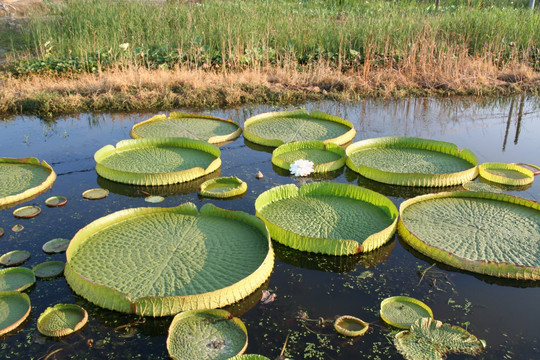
(310, 290)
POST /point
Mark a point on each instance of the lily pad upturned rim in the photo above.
(239, 187)
(17, 297)
(340, 326)
(113, 299)
(77, 323)
(20, 257)
(216, 139)
(497, 269)
(56, 201)
(163, 178)
(30, 193)
(51, 246)
(26, 277)
(324, 245)
(57, 266)
(402, 299)
(484, 171)
(95, 194)
(27, 212)
(211, 314)
(311, 144)
(1, 232)
(340, 140)
(249, 357)
(414, 179)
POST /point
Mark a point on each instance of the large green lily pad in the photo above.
(14, 309)
(483, 232)
(412, 161)
(327, 218)
(276, 128)
(23, 179)
(325, 157)
(157, 161)
(193, 126)
(173, 259)
(62, 320)
(206, 334)
(430, 339)
(16, 279)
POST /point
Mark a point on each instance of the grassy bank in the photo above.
(339, 48)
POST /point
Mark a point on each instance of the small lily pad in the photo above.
(223, 187)
(350, 326)
(15, 257)
(95, 194)
(56, 246)
(154, 199)
(62, 320)
(16, 279)
(206, 334)
(14, 309)
(17, 228)
(1, 232)
(27, 212)
(56, 201)
(506, 174)
(403, 311)
(49, 269)
(479, 186)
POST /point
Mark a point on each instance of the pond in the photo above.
(310, 290)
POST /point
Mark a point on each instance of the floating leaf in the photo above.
(56, 201)
(249, 357)
(403, 311)
(325, 157)
(276, 128)
(350, 326)
(15, 257)
(506, 174)
(95, 194)
(483, 232)
(223, 187)
(177, 266)
(432, 340)
(27, 212)
(193, 126)
(206, 334)
(14, 309)
(55, 246)
(16, 279)
(17, 228)
(410, 161)
(479, 186)
(154, 199)
(23, 179)
(62, 320)
(49, 269)
(327, 218)
(157, 161)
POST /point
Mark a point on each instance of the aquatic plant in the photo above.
(325, 157)
(14, 309)
(62, 320)
(403, 311)
(223, 187)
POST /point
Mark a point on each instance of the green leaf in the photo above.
(14, 309)
(62, 320)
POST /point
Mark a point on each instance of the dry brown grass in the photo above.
(427, 73)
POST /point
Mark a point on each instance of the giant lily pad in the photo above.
(276, 128)
(23, 179)
(16, 279)
(403, 311)
(431, 340)
(483, 232)
(206, 334)
(506, 174)
(412, 161)
(223, 187)
(157, 161)
(193, 126)
(62, 320)
(325, 157)
(49, 269)
(327, 218)
(14, 309)
(173, 259)
(15, 257)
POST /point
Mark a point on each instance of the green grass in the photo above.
(86, 35)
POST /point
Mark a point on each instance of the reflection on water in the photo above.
(307, 287)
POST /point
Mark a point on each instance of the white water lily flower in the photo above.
(301, 167)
